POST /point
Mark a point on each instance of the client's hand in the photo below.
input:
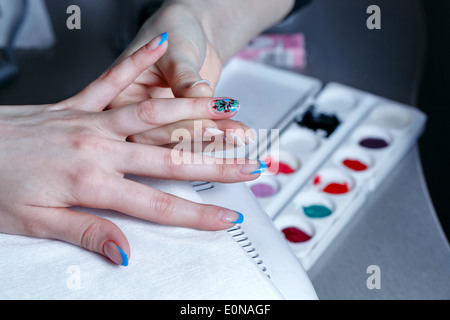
(72, 153)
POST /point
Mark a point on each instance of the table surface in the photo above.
(398, 228)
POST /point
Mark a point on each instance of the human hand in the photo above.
(190, 58)
(203, 34)
(73, 153)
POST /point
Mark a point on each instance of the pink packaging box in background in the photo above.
(280, 50)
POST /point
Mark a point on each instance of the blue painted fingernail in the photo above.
(240, 219)
(164, 37)
(262, 167)
(113, 252)
(124, 257)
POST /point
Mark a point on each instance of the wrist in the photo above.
(230, 25)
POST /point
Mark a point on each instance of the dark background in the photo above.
(434, 99)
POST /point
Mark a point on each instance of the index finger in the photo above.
(100, 93)
(144, 202)
(150, 114)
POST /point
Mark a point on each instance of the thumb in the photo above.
(184, 79)
(200, 89)
(87, 231)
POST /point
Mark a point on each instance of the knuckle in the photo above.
(147, 113)
(183, 75)
(204, 214)
(86, 141)
(113, 76)
(87, 144)
(82, 176)
(84, 183)
(168, 163)
(223, 170)
(134, 62)
(91, 231)
(33, 226)
(164, 207)
(80, 141)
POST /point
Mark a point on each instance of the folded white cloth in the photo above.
(165, 263)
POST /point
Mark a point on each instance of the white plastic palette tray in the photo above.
(303, 149)
(355, 161)
(331, 173)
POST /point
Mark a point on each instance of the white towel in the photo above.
(165, 263)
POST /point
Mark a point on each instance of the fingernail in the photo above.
(164, 37)
(155, 43)
(232, 217)
(200, 82)
(252, 168)
(262, 167)
(240, 218)
(213, 131)
(113, 252)
(225, 105)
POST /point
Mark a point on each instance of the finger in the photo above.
(201, 129)
(191, 76)
(147, 86)
(210, 74)
(184, 78)
(101, 92)
(198, 130)
(150, 114)
(200, 88)
(147, 203)
(236, 132)
(182, 164)
(87, 231)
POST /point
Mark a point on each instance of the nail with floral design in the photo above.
(225, 105)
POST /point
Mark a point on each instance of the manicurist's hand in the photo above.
(204, 34)
(73, 153)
